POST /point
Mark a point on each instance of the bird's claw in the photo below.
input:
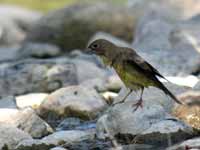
(138, 104)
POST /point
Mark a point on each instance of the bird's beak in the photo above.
(89, 51)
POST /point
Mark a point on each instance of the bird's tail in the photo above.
(166, 91)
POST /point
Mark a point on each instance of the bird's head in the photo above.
(101, 47)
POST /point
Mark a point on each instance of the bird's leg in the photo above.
(123, 100)
(140, 101)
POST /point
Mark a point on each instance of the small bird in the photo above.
(133, 70)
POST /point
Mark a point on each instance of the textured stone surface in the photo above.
(76, 101)
(25, 119)
(56, 139)
(64, 27)
(30, 100)
(10, 136)
(25, 76)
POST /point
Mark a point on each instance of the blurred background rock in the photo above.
(54, 96)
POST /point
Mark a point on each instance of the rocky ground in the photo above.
(55, 97)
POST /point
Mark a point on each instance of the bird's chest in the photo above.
(130, 77)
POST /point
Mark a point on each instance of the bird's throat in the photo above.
(106, 61)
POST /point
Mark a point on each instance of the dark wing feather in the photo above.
(142, 64)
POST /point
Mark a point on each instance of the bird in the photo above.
(133, 70)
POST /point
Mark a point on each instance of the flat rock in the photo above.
(26, 120)
(56, 139)
(10, 136)
(72, 101)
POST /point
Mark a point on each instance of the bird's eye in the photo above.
(95, 46)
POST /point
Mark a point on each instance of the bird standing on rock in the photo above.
(133, 70)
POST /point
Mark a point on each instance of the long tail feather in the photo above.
(166, 91)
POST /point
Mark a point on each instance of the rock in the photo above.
(149, 125)
(8, 102)
(114, 83)
(71, 123)
(193, 144)
(64, 27)
(10, 34)
(27, 120)
(22, 17)
(29, 76)
(72, 101)
(109, 96)
(172, 8)
(99, 84)
(78, 54)
(56, 139)
(170, 52)
(93, 71)
(14, 24)
(30, 100)
(190, 112)
(8, 53)
(153, 95)
(10, 136)
(39, 50)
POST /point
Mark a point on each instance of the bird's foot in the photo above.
(120, 102)
(138, 104)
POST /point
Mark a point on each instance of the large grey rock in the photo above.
(56, 139)
(72, 101)
(72, 27)
(28, 76)
(150, 124)
(27, 120)
(166, 46)
(10, 136)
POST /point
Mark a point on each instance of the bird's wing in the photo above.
(134, 59)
